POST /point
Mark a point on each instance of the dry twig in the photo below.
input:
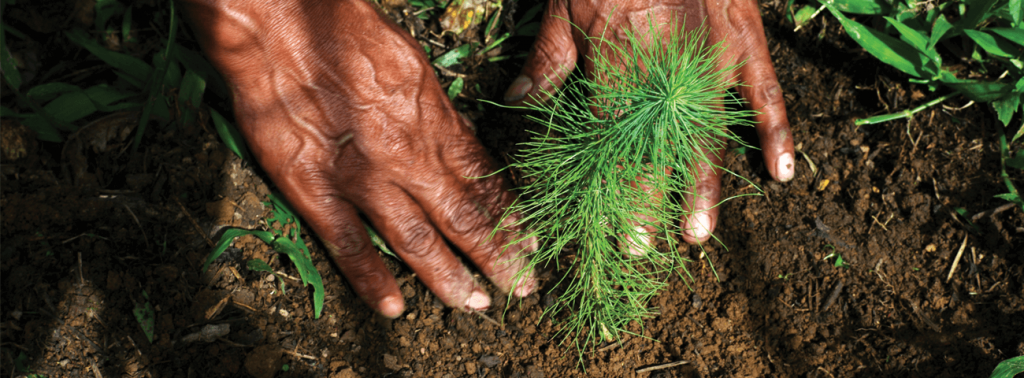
(956, 261)
(662, 366)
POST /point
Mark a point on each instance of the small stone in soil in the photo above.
(490, 360)
(391, 362)
(534, 371)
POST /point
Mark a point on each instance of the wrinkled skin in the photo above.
(737, 23)
(343, 111)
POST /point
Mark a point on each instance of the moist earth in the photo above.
(90, 236)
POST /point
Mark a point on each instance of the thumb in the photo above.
(551, 60)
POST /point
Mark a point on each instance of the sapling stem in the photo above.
(639, 124)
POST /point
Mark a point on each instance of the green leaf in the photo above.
(194, 61)
(1015, 35)
(258, 265)
(454, 56)
(228, 236)
(190, 95)
(529, 15)
(229, 135)
(126, 26)
(7, 65)
(146, 317)
(70, 107)
(103, 94)
(304, 264)
(455, 88)
(1008, 197)
(889, 50)
(914, 37)
(1016, 161)
(45, 131)
(873, 7)
(939, 29)
(979, 91)
(976, 10)
(49, 91)
(993, 45)
(1009, 368)
(1006, 107)
(134, 67)
(6, 112)
(105, 10)
(803, 15)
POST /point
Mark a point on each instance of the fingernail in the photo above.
(784, 167)
(697, 226)
(518, 89)
(639, 249)
(391, 306)
(478, 300)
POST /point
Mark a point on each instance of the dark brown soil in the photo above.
(76, 259)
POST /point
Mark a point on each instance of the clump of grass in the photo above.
(643, 116)
(289, 243)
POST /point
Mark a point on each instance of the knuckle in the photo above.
(417, 237)
(469, 221)
(350, 243)
(770, 94)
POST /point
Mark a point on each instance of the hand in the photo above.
(736, 22)
(343, 111)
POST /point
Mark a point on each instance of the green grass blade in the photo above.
(939, 29)
(126, 26)
(869, 7)
(190, 95)
(70, 107)
(455, 55)
(307, 271)
(976, 10)
(1009, 368)
(194, 61)
(45, 131)
(905, 113)
(1004, 155)
(889, 50)
(49, 91)
(154, 100)
(229, 135)
(258, 265)
(1015, 35)
(980, 91)
(1006, 107)
(146, 317)
(455, 88)
(914, 37)
(993, 45)
(134, 67)
(7, 65)
(226, 238)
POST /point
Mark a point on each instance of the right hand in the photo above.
(343, 111)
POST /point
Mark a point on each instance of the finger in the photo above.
(468, 208)
(350, 248)
(739, 24)
(642, 239)
(551, 59)
(338, 225)
(415, 239)
(701, 202)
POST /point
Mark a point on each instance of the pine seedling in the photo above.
(646, 114)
